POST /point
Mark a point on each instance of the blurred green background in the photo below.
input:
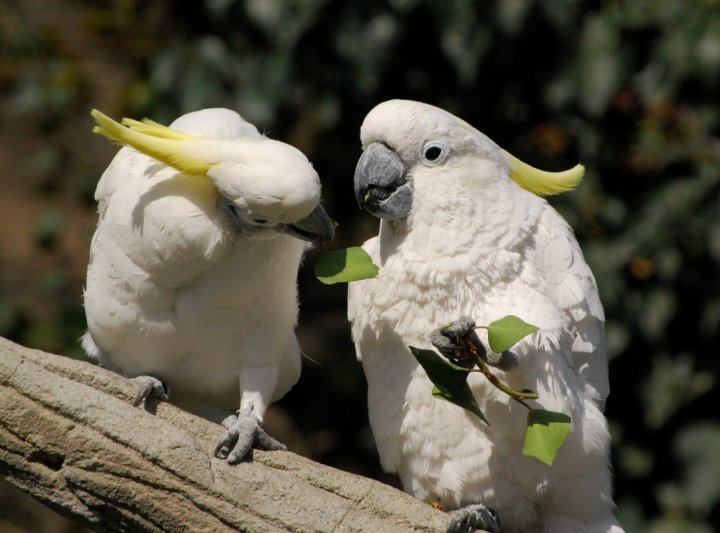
(631, 89)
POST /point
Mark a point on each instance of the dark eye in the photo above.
(432, 153)
(259, 221)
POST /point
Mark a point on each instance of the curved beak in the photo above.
(381, 183)
(316, 227)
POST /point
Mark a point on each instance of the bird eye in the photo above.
(433, 153)
(259, 221)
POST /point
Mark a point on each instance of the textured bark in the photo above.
(70, 437)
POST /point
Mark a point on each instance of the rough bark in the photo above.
(70, 437)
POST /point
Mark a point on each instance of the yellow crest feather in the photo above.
(150, 127)
(152, 139)
(541, 182)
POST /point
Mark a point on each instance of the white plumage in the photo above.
(472, 242)
(192, 278)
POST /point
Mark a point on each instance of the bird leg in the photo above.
(244, 433)
(472, 518)
(244, 429)
(149, 387)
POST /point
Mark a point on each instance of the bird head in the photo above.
(272, 189)
(406, 144)
(265, 187)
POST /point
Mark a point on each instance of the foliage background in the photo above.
(630, 88)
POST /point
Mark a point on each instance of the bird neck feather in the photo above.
(483, 235)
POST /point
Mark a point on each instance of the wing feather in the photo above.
(572, 285)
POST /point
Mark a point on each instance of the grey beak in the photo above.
(381, 183)
(316, 227)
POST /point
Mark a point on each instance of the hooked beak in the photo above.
(381, 183)
(316, 227)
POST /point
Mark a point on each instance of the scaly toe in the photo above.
(472, 518)
(244, 433)
(149, 387)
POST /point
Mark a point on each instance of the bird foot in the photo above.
(459, 343)
(244, 433)
(149, 387)
(472, 518)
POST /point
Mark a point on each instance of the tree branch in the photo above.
(70, 437)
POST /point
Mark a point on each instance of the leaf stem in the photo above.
(515, 394)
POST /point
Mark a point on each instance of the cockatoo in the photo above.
(463, 233)
(193, 266)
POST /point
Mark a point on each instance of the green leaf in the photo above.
(546, 432)
(342, 266)
(450, 381)
(504, 333)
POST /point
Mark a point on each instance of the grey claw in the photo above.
(459, 342)
(229, 421)
(149, 387)
(458, 355)
(444, 345)
(459, 328)
(228, 439)
(471, 518)
(268, 443)
(243, 433)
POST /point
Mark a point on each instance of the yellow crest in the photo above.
(541, 182)
(152, 139)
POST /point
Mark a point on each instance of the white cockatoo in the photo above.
(463, 234)
(193, 266)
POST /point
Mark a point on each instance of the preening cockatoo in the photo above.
(193, 266)
(462, 234)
